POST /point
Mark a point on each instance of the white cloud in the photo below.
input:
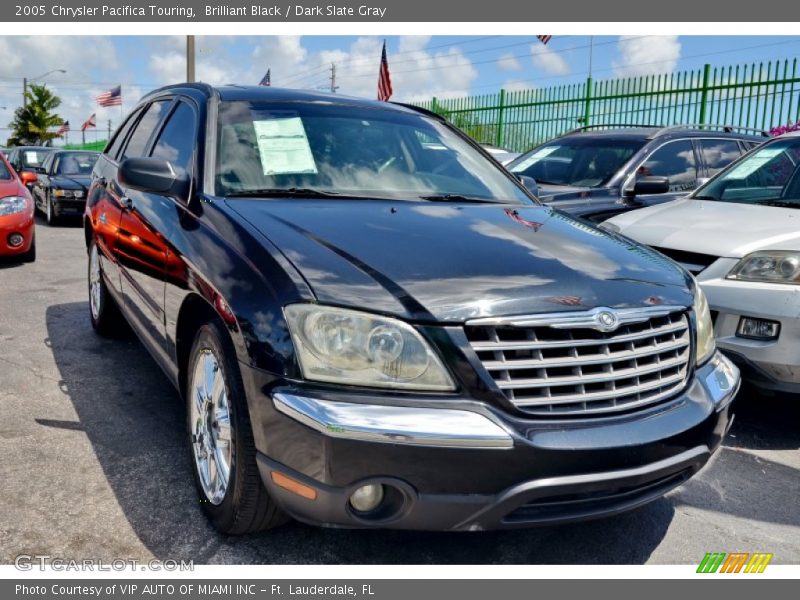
(548, 60)
(515, 85)
(647, 55)
(91, 64)
(509, 62)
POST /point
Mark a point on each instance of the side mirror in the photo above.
(154, 175)
(28, 177)
(650, 185)
(530, 184)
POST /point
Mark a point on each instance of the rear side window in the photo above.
(674, 160)
(718, 154)
(152, 116)
(120, 136)
(176, 142)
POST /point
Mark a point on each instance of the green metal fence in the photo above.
(92, 146)
(759, 95)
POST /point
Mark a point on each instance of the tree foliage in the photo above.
(34, 123)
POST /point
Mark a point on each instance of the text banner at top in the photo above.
(464, 11)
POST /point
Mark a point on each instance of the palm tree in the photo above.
(34, 123)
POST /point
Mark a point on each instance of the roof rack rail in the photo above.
(724, 128)
(612, 126)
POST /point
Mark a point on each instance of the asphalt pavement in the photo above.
(93, 463)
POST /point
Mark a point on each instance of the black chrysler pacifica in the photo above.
(372, 324)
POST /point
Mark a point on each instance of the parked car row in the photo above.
(374, 324)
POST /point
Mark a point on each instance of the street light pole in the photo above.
(25, 84)
(190, 58)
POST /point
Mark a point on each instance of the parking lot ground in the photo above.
(94, 464)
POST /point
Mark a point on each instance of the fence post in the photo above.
(704, 94)
(587, 109)
(434, 108)
(499, 138)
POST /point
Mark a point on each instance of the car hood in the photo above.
(725, 229)
(71, 182)
(449, 263)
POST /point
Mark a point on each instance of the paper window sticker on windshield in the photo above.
(283, 147)
(31, 158)
(751, 165)
(538, 155)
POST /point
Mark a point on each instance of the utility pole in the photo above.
(109, 129)
(189, 58)
(24, 92)
(334, 87)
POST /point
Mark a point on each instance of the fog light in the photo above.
(15, 240)
(758, 329)
(367, 498)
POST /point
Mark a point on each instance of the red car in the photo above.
(17, 236)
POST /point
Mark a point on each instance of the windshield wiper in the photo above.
(455, 198)
(704, 198)
(779, 203)
(282, 192)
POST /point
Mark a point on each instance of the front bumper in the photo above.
(773, 364)
(20, 223)
(493, 470)
(69, 207)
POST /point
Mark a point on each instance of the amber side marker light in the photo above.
(293, 486)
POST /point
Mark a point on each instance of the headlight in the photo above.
(771, 266)
(11, 205)
(62, 193)
(351, 347)
(705, 328)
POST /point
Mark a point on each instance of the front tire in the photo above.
(103, 310)
(49, 212)
(220, 439)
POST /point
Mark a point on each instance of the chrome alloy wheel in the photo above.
(211, 426)
(95, 283)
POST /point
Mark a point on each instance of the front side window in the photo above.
(176, 142)
(676, 162)
(769, 175)
(144, 128)
(576, 161)
(352, 152)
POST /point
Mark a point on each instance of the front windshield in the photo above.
(576, 161)
(32, 158)
(769, 175)
(351, 151)
(76, 164)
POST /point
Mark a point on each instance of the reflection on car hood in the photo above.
(559, 193)
(717, 228)
(71, 182)
(453, 262)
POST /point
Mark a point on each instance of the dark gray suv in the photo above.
(600, 171)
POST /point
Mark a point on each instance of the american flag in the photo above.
(89, 123)
(544, 38)
(112, 97)
(63, 129)
(266, 80)
(384, 79)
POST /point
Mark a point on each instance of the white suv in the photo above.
(739, 234)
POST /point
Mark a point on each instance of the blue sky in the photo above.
(421, 66)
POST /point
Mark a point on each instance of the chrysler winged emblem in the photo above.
(606, 320)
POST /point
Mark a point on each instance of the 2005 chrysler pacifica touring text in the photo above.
(374, 325)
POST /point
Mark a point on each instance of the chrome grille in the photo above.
(557, 365)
